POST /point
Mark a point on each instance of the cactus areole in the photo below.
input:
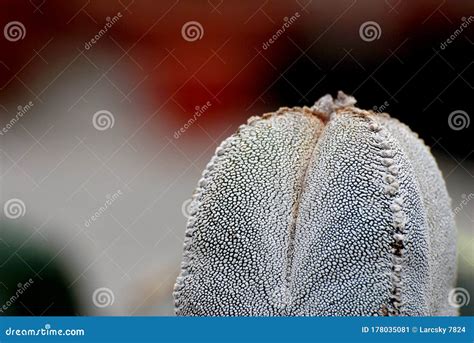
(327, 210)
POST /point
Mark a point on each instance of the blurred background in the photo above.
(110, 110)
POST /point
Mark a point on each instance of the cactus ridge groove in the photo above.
(295, 210)
(324, 109)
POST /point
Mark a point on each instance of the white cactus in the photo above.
(328, 210)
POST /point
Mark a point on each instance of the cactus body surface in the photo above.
(323, 211)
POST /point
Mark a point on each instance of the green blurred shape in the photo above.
(466, 270)
(32, 280)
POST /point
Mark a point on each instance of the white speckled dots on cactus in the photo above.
(322, 211)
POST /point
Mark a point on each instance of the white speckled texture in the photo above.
(321, 211)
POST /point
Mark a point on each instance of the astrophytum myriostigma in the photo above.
(323, 211)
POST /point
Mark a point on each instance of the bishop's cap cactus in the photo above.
(328, 210)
